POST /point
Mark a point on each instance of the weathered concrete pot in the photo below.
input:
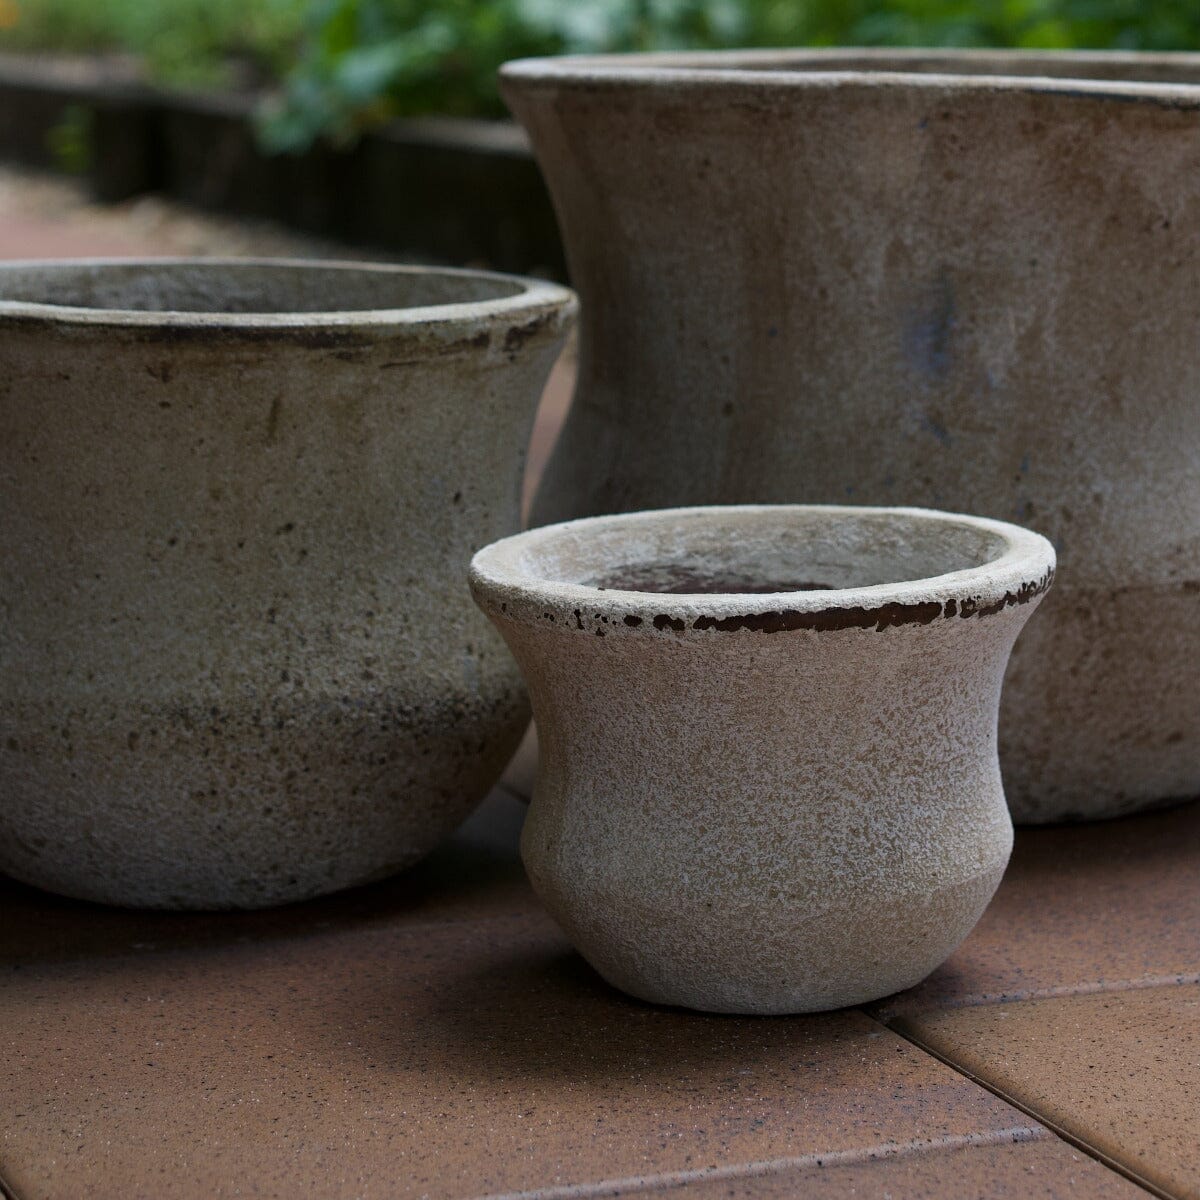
(238, 664)
(971, 293)
(772, 802)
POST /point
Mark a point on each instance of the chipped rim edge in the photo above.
(532, 296)
(734, 69)
(504, 586)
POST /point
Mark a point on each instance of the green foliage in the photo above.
(182, 42)
(71, 140)
(343, 65)
(366, 60)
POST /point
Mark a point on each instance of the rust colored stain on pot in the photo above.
(828, 621)
(886, 616)
(517, 335)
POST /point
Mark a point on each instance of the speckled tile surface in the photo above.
(455, 1059)
(435, 1036)
(1118, 1070)
(1081, 908)
(1041, 1168)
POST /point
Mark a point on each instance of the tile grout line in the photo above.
(667, 1180)
(1066, 1135)
(7, 1191)
(984, 999)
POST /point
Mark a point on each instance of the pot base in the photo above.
(204, 807)
(785, 963)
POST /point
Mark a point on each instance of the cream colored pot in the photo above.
(238, 663)
(769, 779)
(802, 282)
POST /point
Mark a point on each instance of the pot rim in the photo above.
(528, 296)
(506, 585)
(745, 70)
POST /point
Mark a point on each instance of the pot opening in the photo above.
(752, 551)
(244, 287)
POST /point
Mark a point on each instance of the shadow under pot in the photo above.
(238, 663)
(912, 278)
(768, 778)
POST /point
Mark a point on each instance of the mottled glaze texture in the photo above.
(238, 664)
(758, 799)
(964, 292)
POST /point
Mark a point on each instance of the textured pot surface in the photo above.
(238, 664)
(768, 779)
(956, 291)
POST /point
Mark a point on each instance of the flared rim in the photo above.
(763, 71)
(501, 297)
(509, 579)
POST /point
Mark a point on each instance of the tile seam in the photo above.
(985, 999)
(7, 1191)
(898, 1026)
(666, 1180)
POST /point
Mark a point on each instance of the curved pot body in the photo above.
(963, 292)
(753, 798)
(237, 664)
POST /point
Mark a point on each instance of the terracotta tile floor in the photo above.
(1119, 1071)
(435, 1036)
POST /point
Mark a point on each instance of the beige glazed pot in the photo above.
(769, 780)
(238, 664)
(924, 285)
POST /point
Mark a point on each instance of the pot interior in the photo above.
(249, 287)
(732, 552)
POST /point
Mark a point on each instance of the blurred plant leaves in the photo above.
(337, 67)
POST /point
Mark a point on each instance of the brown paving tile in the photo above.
(1120, 1071)
(1082, 908)
(477, 874)
(1044, 1168)
(453, 1059)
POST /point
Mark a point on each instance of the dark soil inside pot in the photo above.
(675, 579)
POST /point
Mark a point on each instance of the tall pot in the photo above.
(806, 284)
(238, 661)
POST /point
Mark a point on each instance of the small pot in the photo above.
(769, 780)
(238, 664)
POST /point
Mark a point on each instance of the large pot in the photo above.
(769, 778)
(948, 290)
(238, 661)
